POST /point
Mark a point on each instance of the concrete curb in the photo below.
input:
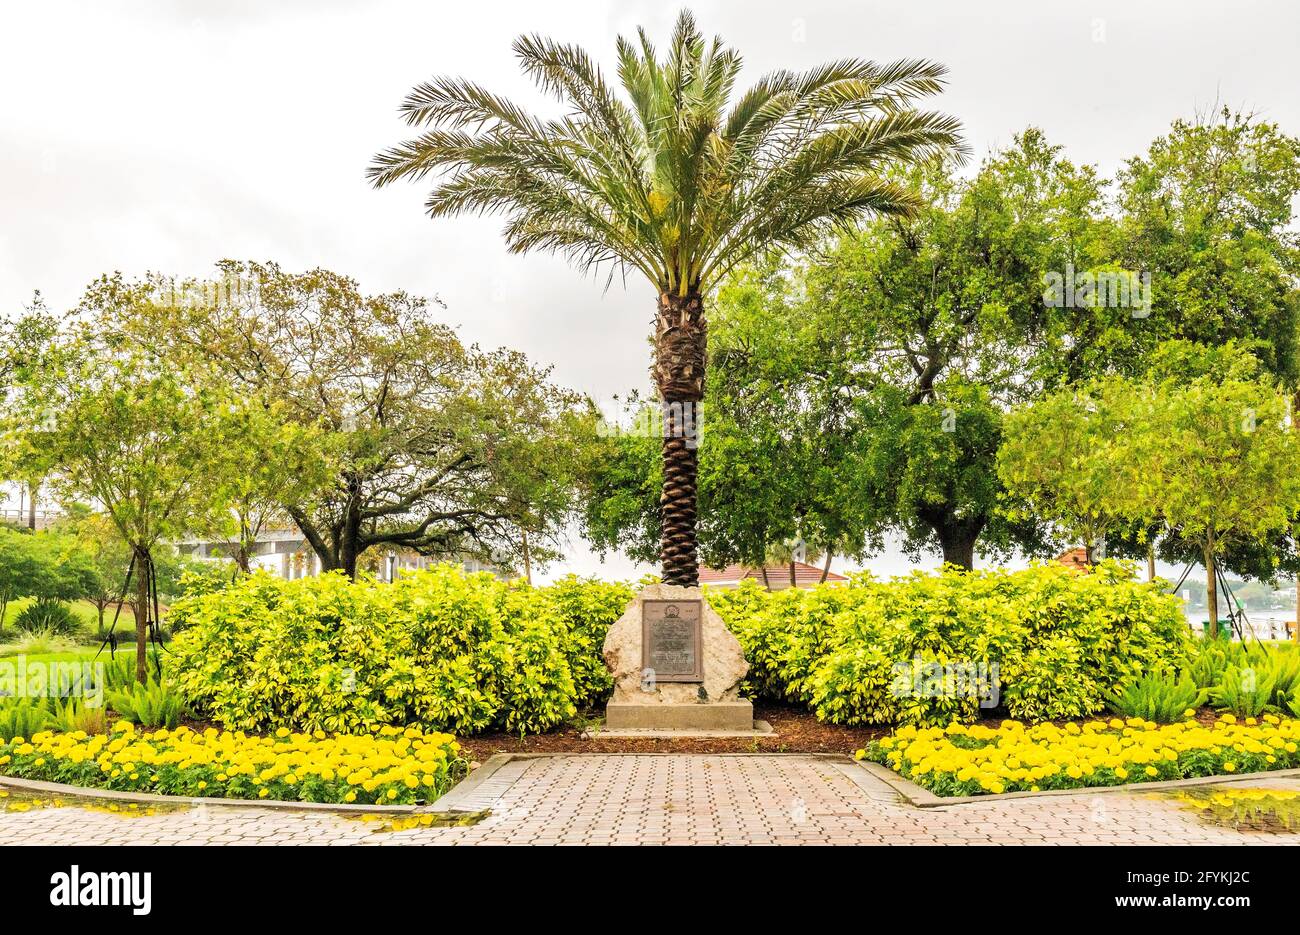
(453, 801)
(149, 798)
(916, 796)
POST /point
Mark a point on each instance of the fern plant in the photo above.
(1285, 669)
(1157, 696)
(1246, 691)
(75, 714)
(152, 705)
(20, 717)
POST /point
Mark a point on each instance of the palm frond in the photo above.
(669, 176)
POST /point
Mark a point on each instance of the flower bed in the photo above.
(394, 767)
(960, 760)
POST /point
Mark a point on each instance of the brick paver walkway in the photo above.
(686, 799)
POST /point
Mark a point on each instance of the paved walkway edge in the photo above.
(457, 800)
(149, 798)
(924, 798)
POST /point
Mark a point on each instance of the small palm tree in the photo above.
(674, 182)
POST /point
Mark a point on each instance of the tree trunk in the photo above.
(766, 584)
(142, 616)
(31, 507)
(793, 576)
(1151, 561)
(680, 359)
(1211, 589)
(957, 537)
(528, 561)
(959, 551)
(826, 567)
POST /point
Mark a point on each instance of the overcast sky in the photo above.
(164, 136)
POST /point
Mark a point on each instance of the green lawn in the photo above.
(84, 610)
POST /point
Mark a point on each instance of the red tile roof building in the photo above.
(1075, 558)
(778, 576)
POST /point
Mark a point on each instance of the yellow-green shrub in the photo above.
(438, 649)
(1061, 642)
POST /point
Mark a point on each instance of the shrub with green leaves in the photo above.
(588, 609)
(438, 649)
(926, 648)
(47, 615)
(1159, 697)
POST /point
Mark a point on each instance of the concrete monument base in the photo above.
(722, 715)
(676, 666)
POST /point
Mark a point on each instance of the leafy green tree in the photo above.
(127, 430)
(1218, 465)
(1208, 459)
(673, 180)
(1059, 461)
(279, 461)
(928, 328)
(380, 430)
(103, 548)
(43, 565)
(1208, 212)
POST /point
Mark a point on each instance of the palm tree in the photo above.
(672, 182)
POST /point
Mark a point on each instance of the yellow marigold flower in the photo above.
(1152, 771)
(1229, 767)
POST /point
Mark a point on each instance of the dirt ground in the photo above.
(795, 731)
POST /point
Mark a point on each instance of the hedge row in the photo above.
(1045, 642)
(439, 649)
(442, 650)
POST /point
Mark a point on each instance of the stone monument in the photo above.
(676, 666)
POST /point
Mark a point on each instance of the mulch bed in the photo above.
(796, 731)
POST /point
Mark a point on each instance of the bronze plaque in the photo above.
(671, 646)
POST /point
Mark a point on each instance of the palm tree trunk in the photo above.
(680, 340)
